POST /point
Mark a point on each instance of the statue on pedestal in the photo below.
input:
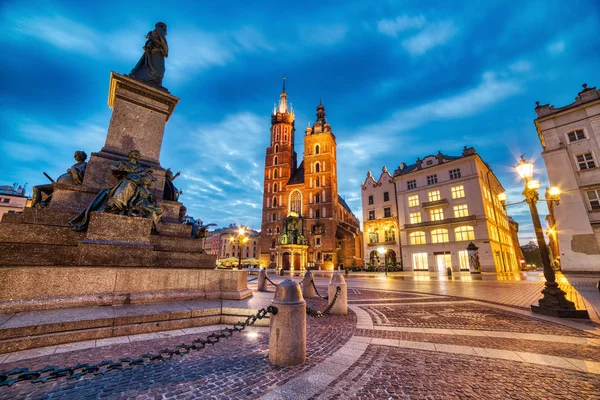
(151, 67)
(130, 196)
(171, 193)
(42, 194)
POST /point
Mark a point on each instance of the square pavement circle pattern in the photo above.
(392, 345)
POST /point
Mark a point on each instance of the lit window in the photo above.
(434, 196)
(585, 161)
(461, 210)
(296, 202)
(455, 173)
(373, 237)
(371, 200)
(420, 261)
(458, 192)
(436, 214)
(464, 233)
(415, 217)
(390, 235)
(417, 237)
(411, 184)
(387, 212)
(431, 179)
(371, 214)
(439, 236)
(576, 135)
(386, 196)
(413, 201)
(490, 213)
(594, 199)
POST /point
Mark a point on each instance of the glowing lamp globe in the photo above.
(555, 191)
(502, 196)
(524, 169)
(533, 184)
(381, 250)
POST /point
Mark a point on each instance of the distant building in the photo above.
(569, 137)
(380, 220)
(220, 243)
(445, 203)
(514, 234)
(12, 199)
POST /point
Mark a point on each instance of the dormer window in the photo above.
(576, 135)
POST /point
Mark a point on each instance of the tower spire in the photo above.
(283, 91)
(283, 108)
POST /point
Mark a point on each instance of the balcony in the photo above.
(381, 243)
(446, 221)
(437, 203)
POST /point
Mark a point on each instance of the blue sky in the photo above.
(399, 80)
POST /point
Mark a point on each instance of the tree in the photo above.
(531, 252)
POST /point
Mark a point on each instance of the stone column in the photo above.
(308, 291)
(474, 265)
(341, 304)
(287, 329)
(262, 280)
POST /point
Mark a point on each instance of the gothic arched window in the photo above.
(275, 173)
(275, 159)
(317, 167)
(276, 148)
(274, 188)
(274, 201)
(317, 149)
(296, 201)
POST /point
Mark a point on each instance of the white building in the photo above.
(380, 220)
(570, 140)
(445, 203)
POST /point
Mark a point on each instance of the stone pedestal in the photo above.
(287, 329)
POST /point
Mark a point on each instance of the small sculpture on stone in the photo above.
(200, 231)
(130, 196)
(151, 66)
(42, 194)
(171, 193)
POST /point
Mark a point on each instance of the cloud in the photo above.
(557, 47)
(391, 27)
(521, 66)
(432, 36)
(328, 35)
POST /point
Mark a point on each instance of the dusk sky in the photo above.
(399, 80)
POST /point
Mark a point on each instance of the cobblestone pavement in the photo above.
(396, 343)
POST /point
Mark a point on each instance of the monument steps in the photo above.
(34, 329)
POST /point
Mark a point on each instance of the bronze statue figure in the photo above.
(130, 196)
(151, 67)
(171, 193)
(42, 194)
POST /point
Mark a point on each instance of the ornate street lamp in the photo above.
(382, 252)
(554, 302)
(241, 238)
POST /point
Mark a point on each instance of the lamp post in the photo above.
(554, 302)
(241, 238)
(382, 252)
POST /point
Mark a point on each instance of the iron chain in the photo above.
(312, 281)
(270, 281)
(8, 378)
(318, 314)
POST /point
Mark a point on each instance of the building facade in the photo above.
(445, 203)
(570, 138)
(223, 243)
(12, 200)
(304, 220)
(380, 221)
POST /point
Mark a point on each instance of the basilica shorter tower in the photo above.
(305, 222)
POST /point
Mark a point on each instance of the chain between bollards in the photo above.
(8, 378)
(253, 279)
(318, 314)
(270, 281)
(312, 281)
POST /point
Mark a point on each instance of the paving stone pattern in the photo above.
(394, 373)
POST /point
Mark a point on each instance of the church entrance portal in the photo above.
(285, 261)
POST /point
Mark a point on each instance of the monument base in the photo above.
(560, 313)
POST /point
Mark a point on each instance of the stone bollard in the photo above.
(341, 304)
(262, 280)
(287, 329)
(308, 290)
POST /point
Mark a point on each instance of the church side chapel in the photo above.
(305, 223)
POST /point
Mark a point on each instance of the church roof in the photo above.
(344, 204)
(298, 175)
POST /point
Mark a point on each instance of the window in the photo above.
(463, 258)
(275, 188)
(317, 198)
(296, 202)
(434, 196)
(317, 214)
(420, 262)
(576, 135)
(411, 184)
(371, 214)
(415, 217)
(371, 200)
(317, 241)
(318, 183)
(455, 173)
(594, 199)
(464, 233)
(439, 236)
(413, 201)
(317, 149)
(431, 179)
(436, 214)
(276, 148)
(6, 200)
(417, 237)
(374, 237)
(458, 192)
(585, 161)
(275, 160)
(275, 173)
(274, 202)
(387, 212)
(461, 210)
(490, 213)
(390, 235)
(317, 167)
(386, 196)
(274, 218)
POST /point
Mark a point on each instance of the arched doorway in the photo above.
(374, 258)
(285, 261)
(390, 258)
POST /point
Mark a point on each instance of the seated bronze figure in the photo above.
(42, 194)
